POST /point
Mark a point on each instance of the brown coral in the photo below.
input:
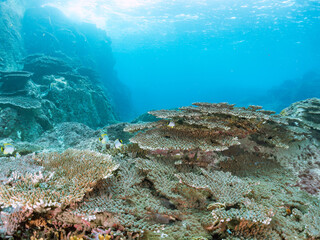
(209, 127)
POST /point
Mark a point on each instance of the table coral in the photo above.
(208, 127)
(65, 179)
(248, 191)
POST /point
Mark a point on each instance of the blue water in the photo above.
(173, 53)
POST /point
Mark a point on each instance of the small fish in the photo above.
(118, 143)
(52, 85)
(18, 155)
(104, 139)
(7, 149)
(171, 124)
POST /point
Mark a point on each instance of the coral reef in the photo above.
(64, 180)
(14, 81)
(50, 180)
(210, 128)
(226, 189)
(11, 48)
(262, 187)
(53, 71)
(55, 93)
(307, 111)
(68, 135)
(47, 31)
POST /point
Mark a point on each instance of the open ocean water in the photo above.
(172, 53)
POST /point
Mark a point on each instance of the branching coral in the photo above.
(183, 139)
(65, 180)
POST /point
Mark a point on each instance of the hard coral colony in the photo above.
(210, 171)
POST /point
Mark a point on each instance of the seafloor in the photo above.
(209, 171)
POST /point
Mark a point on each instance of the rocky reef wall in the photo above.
(54, 70)
(11, 47)
(46, 30)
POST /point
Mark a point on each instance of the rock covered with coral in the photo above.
(53, 93)
(11, 47)
(48, 31)
(204, 130)
(50, 73)
(307, 111)
(250, 190)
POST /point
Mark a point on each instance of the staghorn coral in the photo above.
(137, 201)
(246, 212)
(12, 168)
(11, 219)
(183, 139)
(274, 193)
(310, 181)
(65, 179)
(145, 198)
(231, 208)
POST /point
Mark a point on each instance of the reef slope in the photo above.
(209, 171)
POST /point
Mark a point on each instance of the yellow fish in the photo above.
(171, 124)
(104, 139)
(7, 149)
(118, 143)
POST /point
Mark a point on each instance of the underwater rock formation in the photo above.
(46, 30)
(257, 188)
(50, 91)
(53, 70)
(12, 82)
(11, 47)
(67, 135)
(289, 91)
(308, 111)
